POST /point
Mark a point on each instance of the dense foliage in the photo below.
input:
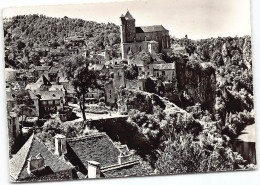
(24, 32)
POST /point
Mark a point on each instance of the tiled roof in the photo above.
(145, 29)
(53, 70)
(44, 80)
(164, 66)
(32, 95)
(33, 86)
(42, 68)
(97, 67)
(97, 147)
(179, 48)
(57, 88)
(132, 169)
(33, 147)
(51, 95)
(63, 79)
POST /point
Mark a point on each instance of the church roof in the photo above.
(128, 15)
(33, 147)
(145, 29)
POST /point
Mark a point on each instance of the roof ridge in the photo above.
(87, 136)
(118, 166)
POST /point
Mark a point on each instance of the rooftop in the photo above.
(128, 16)
(42, 68)
(32, 148)
(97, 147)
(145, 29)
(51, 95)
(164, 66)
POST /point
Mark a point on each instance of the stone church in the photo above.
(144, 38)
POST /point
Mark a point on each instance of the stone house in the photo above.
(50, 102)
(166, 72)
(110, 93)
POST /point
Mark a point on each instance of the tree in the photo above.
(150, 85)
(83, 79)
(131, 72)
(185, 155)
(24, 103)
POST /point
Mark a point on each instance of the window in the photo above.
(163, 72)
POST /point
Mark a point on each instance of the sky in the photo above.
(197, 18)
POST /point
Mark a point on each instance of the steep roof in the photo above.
(96, 147)
(32, 95)
(145, 29)
(129, 16)
(97, 67)
(57, 88)
(164, 66)
(33, 86)
(43, 80)
(32, 148)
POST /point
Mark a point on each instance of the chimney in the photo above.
(93, 169)
(60, 145)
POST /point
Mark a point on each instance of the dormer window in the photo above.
(35, 164)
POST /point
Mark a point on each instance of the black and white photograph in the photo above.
(129, 89)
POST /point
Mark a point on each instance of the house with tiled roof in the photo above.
(50, 102)
(42, 84)
(35, 162)
(90, 156)
(97, 156)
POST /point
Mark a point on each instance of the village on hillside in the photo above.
(94, 100)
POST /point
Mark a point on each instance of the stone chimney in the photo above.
(93, 169)
(35, 163)
(60, 145)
